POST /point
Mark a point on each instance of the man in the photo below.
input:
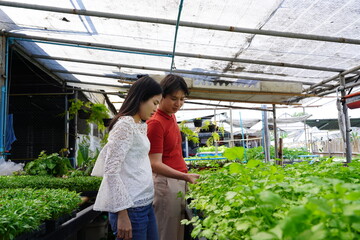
(168, 165)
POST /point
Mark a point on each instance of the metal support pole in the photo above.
(4, 71)
(76, 121)
(231, 129)
(266, 135)
(305, 132)
(186, 147)
(215, 142)
(242, 136)
(347, 122)
(172, 66)
(66, 126)
(275, 132)
(181, 23)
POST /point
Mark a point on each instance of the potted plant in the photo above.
(81, 108)
(93, 112)
(187, 132)
(208, 126)
(197, 122)
(213, 138)
(98, 112)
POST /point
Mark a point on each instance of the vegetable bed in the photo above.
(264, 201)
(78, 184)
(23, 210)
(26, 202)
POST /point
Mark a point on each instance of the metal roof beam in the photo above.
(225, 106)
(240, 60)
(181, 23)
(167, 70)
(121, 88)
(342, 74)
(113, 76)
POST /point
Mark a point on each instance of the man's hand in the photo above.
(124, 229)
(191, 177)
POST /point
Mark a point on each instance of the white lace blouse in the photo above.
(125, 166)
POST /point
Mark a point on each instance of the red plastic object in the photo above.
(353, 100)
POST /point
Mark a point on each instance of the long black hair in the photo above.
(141, 91)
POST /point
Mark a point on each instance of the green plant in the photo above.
(53, 165)
(76, 105)
(234, 153)
(23, 210)
(265, 201)
(97, 111)
(212, 139)
(78, 183)
(190, 134)
(85, 159)
(206, 125)
(211, 149)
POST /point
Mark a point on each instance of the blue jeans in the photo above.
(143, 223)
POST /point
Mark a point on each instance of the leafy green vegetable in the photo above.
(53, 165)
(78, 184)
(23, 210)
(267, 201)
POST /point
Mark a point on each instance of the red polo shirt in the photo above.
(165, 138)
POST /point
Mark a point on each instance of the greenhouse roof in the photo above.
(276, 51)
(330, 124)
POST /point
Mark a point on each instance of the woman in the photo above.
(127, 190)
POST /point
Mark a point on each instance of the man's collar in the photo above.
(165, 115)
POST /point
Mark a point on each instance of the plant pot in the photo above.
(211, 128)
(83, 115)
(198, 122)
(107, 121)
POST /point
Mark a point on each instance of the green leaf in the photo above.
(234, 168)
(242, 226)
(263, 236)
(356, 226)
(230, 195)
(270, 197)
(207, 233)
(354, 196)
(352, 210)
(253, 163)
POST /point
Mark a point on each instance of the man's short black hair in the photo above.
(173, 83)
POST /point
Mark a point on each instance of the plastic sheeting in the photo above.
(337, 18)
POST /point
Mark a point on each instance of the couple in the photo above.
(129, 191)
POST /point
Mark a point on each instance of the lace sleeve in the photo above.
(113, 195)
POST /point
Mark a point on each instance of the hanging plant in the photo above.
(98, 112)
(197, 122)
(93, 112)
(190, 134)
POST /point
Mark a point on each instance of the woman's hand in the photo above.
(124, 229)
